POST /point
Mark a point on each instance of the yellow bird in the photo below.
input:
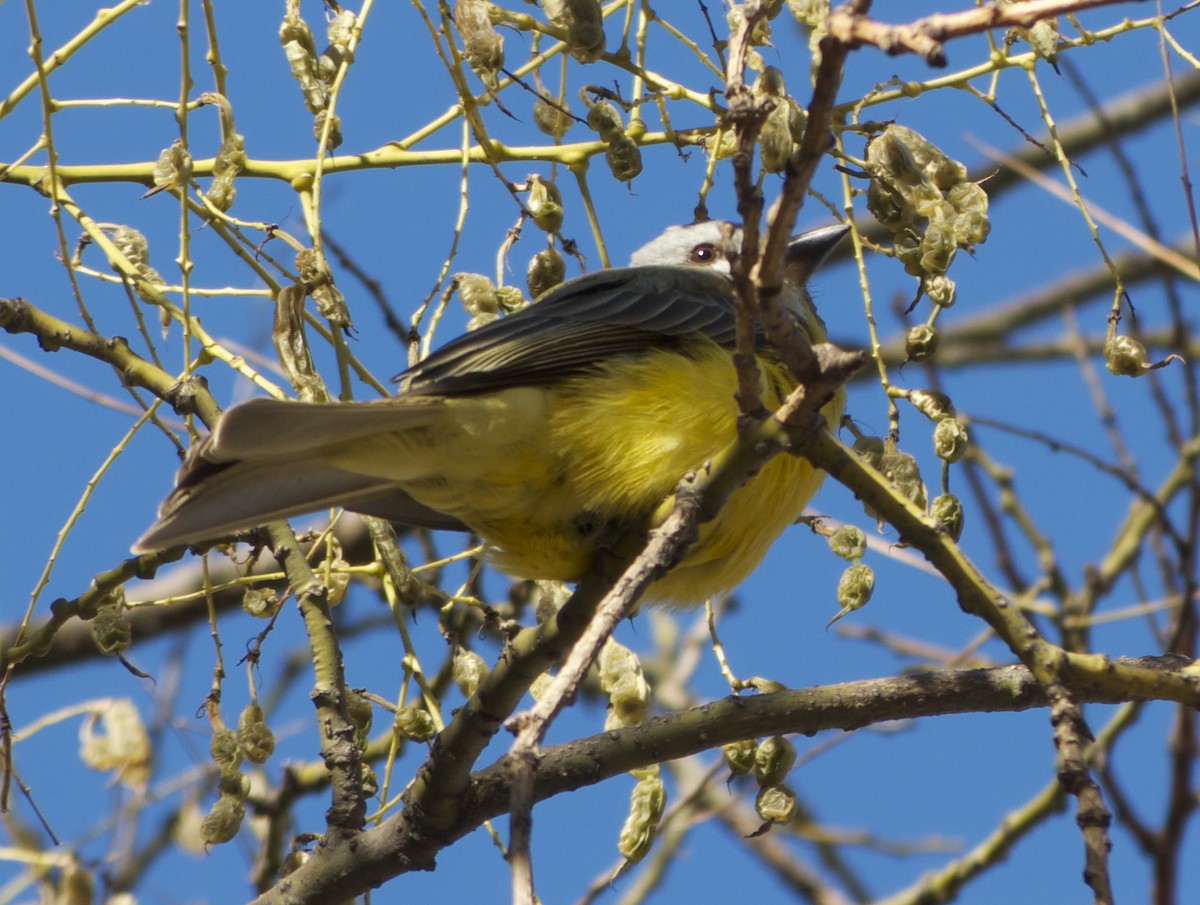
(542, 431)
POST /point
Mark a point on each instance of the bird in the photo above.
(542, 432)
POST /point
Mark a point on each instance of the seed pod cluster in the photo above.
(646, 805)
(623, 156)
(483, 46)
(230, 158)
(774, 758)
(622, 680)
(923, 197)
(483, 300)
(584, 22)
(784, 125)
(760, 33)
(858, 580)
(316, 74)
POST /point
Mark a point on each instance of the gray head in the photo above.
(703, 244)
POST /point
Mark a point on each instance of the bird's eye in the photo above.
(704, 253)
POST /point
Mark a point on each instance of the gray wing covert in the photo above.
(580, 324)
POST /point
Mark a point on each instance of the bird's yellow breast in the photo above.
(612, 446)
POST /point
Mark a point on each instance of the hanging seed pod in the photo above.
(584, 22)
(948, 511)
(869, 450)
(260, 603)
(255, 737)
(933, 404)
(848, 542)
(468, 671)
(901, 469)
(546, 270)
(335, 129)
(301, 53)
(775, 804)
(545, 203)
(854, 588)
(483, 46)
(340, 32)
(1126, 357)
(110, 626)
(172, 170)
(773, 760)
(812, 13)
(604, 120)
(362, 715)
(552, 116)
(940, 289)
(921, 343)
(223, 821)
(950, 440)
(624, 158)
(414, 723)
(741, 756)
(646, 805)
(225, 750)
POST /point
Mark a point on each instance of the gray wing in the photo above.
(580, 324)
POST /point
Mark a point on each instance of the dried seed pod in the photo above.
(848, 542)
(335, 129)
(604, 120)
(760, 34)
(870, 450)
(948, 511)
(340, 32)
(629, 701)
(775, 804)
(110, 626)
(901, 469)
(225, 749)
(545, 203)
(740, 756)
(624, 158)
(1126, 357)
(950, 440)
(938, 247)
(773, 760)
(812, 13)
(223, 821)
(121, 744)
(510, 299)
(260, 603)
(854, 588)
(172, 170)
(255, 737)
(483, 46)
(414, 723)
(468, 671)
(301, 53)
(584, 22)
(940, 289)
(552, 116)
(933, 404)
(362, 715)
(546, 270)
(646, 805)
(921, 343)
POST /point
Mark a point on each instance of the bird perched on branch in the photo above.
(543, 432)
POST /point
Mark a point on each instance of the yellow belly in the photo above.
(543, 474)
